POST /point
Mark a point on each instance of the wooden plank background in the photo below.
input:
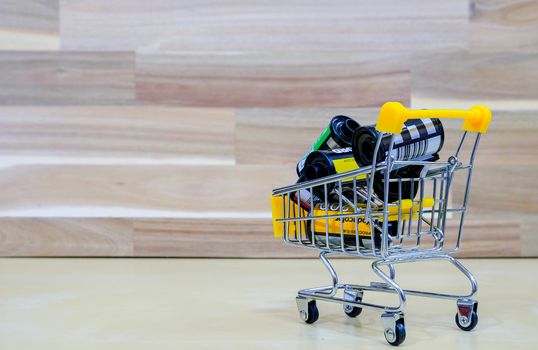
(159, 128)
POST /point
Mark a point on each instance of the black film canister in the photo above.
(319, 164)
(420, 139)
(338, 134)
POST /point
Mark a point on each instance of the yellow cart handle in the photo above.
(393, 116)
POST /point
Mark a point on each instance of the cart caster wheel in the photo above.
(308, 311)
(350, 310)
(395, 336)
(469, 325)
(313, 313)
(394, 328)
(467, 316)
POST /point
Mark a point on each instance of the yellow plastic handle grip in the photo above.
(393, 115)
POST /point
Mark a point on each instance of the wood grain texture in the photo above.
(197, 210)
(529, 238)
(504, 80)
(29, 25)
(273, 80)
(142, 237)
(160, 128)
(139, 190)
(66, 78)
(232, 25)
(504, 190)
(283, 136)
(489, 236)
(210, 237)
(247, 238)
(65, 237)
(505, 25)
(116, 135)
(511, 140)
(506, 167)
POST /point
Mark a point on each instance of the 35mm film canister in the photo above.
(338, 134)
(319, 164)
(324, 163)
(420, 139)
(409, 188)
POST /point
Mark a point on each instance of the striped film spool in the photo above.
(420, 139)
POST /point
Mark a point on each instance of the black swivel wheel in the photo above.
(312, 314)
(353, 311)
(470, 325)
(396, 336)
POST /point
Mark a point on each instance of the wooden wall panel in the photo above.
(29, 25)
(196, 210)
(273, 80)
(131, 190)
(503, 194)
(210, 237)
(116, 135)
(240, 25)
(529, 239)
(504, 190)
(282, 136)
(241, 237)
(65, 237)
(159, 128)
(66, 78)
(488, 237)
(504, 80)
(506, 25)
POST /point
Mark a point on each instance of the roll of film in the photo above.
(338, 134)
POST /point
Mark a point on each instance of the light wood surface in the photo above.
(66, 78)
(246, 237)
(204, 204)
(279, 136)
(237, 25)
(116, 135)
(29, 25)
(121, 190)
(506, 25)
(505, 80)
(245, 304)
(277, 79)
(159, 128)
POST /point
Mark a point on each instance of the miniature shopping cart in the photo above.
(352, 220)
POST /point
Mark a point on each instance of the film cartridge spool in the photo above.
(338, 134)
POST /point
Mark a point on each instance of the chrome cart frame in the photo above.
(398, 233)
